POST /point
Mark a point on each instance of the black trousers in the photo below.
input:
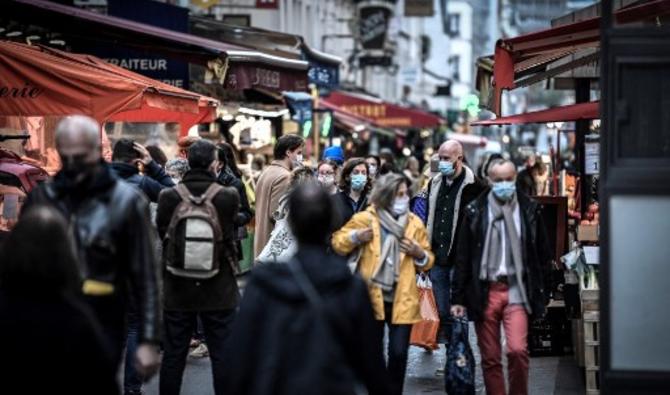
(179, 327)
(398, 347)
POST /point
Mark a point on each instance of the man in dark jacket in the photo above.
(502, 270)
(127, 156)
(112, 231)
(318, 334)
(213, 300)
(449, 192)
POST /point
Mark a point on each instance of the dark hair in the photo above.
(376, 158)
(229, 158)
(201, 154)
(124, 151)
(157, 155)
(302, 173)
(345, 177)
(311, 214)
(328, 162)
(287, 142)
(38, 254)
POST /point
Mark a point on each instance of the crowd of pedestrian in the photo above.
(337, 252)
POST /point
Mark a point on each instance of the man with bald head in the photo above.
(111, 228)
(454, 187)
(502, 275)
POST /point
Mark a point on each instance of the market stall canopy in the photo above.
(40, 81)
(236, 67)
(379, 113)
(574, 112)
(517, 60)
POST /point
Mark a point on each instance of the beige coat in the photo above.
(272, 185)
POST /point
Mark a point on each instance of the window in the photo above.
(454, 63)
(453, 25)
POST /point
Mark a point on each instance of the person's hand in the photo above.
(145, 156)
(458, 311)
(147, 360)
(365, 235)
(412, 248)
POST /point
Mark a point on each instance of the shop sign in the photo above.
(166, 70)
(373, 25)
(326, 77)
(27, 91)
(272, 4)
(378, 113)
(300, 106)
(240, 76)
(591, 158)
(419, 8)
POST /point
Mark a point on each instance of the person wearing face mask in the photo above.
(448, 192)
(502, 275)
(273, 184)
(327, 175)
(114, 238)
(355, 187)
(394, 246)
(373, 162)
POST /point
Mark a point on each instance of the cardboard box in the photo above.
(588, 232)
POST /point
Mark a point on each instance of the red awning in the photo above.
(241, 67)
(378, 112)
(39, 81)
(516, 57)
(569, 113)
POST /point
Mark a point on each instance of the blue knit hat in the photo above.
(335, 154)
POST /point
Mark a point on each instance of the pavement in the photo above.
(548, 375)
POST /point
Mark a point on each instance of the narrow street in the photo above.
(548, 375)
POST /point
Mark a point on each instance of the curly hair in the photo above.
(345, 177)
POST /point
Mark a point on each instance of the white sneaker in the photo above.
(199, 352)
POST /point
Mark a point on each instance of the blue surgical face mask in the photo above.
(446, 168)
(401, 205)
(504, 190)
(358, 181)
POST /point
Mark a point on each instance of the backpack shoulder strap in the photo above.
(183, 192)
(212, 191)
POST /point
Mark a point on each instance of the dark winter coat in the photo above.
(344, 209)
(151, 184)
(469, 290)
(115, 244)
(52, 344)
(245, 214)
(267, 341)
(219, 292)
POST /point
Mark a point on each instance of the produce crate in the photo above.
(592, 381)
(590, 299)
(592, 351)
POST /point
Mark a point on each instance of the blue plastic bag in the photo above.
(459, 373)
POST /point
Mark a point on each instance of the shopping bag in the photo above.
(459, 373)
(424, 332)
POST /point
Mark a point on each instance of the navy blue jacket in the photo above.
(151, 184)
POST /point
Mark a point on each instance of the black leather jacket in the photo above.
(469, 290)
(110, 221)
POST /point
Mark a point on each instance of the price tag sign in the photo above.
(592, 158)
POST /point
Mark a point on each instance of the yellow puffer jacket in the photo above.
(406, 302)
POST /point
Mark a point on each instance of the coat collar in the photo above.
(279, 163)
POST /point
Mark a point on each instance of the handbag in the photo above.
(424, 332)
(282, 245)
(459, 373)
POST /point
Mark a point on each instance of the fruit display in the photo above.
(592, 215)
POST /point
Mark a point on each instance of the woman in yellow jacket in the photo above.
(393, 245)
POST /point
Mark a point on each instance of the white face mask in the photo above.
(299, 158)
(327, 181)
(401, 205)
(373, 170)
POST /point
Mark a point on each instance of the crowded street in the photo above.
(334, 197)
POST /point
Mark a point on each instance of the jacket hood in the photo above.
(326, 272)
(124, 170)
(103, 179)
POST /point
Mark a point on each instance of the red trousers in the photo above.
(515, 321)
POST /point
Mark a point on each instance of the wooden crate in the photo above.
(590, 299)
(592, 381)
(578, 341)
(592, 356)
